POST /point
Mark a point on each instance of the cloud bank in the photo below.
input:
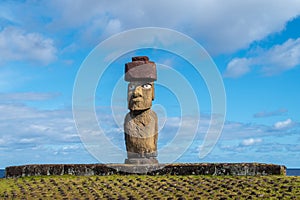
(222, 27)
(17, 45)
(275, 60)
(52, 135)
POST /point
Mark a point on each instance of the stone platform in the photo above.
(245, 169)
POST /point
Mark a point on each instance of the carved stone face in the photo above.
(140, 95)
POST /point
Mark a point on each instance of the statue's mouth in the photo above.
(136, 99)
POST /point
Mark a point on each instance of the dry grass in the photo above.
(151, 187)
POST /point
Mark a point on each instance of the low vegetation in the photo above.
(151, 187)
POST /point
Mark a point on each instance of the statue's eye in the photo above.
(131, 87)
(147, 86)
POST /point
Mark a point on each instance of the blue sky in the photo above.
(254, 44)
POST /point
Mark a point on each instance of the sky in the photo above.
(253, 45)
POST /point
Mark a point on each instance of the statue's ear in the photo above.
(153, 93)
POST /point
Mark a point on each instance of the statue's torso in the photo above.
(141, 132)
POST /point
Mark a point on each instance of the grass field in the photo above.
(151, 187)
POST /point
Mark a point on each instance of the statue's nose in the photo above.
(138, 92)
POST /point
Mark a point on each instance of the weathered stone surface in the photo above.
(140, 58)
(140, 98)
(141, 161)
(130, 65)
(141, 133)
(136, 72)
(216, 169)
(140, 126)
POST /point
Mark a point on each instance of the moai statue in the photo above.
(140, 127)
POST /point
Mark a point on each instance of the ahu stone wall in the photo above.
(245, 169)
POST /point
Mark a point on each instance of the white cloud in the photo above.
(19, 122)
(45, 133)
(272, 61)
(18, 111)
(70, 14)
(251, 141)
(52, 134)
(17, 45)
(234, 130)
(281, 57)
(113, 26)
(283, 124)
(222, 27)
(237, 67)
